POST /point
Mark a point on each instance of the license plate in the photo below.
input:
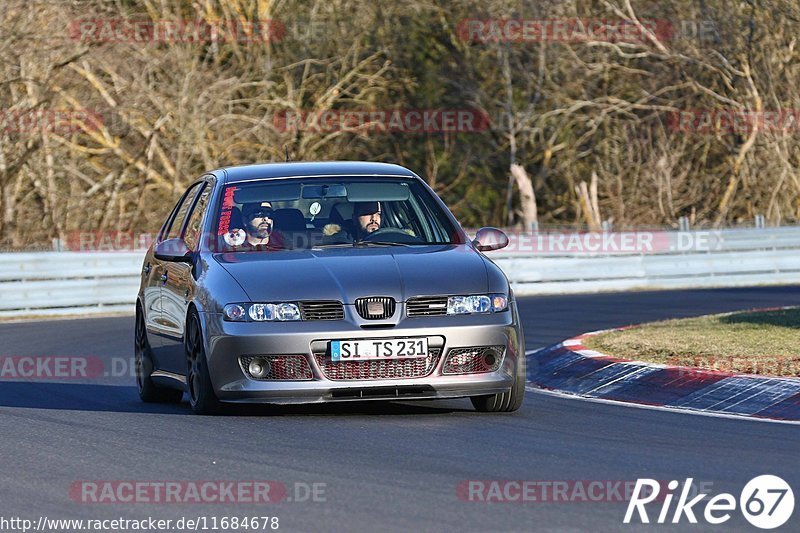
(364, 350)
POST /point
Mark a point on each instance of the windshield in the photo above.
(329, 212)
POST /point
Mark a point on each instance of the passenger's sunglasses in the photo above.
(261, 213)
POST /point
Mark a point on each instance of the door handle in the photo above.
(147, 268)
(164, 277)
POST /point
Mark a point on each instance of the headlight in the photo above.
(261, 312)
(235, 312)
(286, 312)
(499, 302)
(481, 303)
(258, 312)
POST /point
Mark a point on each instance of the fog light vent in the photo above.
(276, 367)
(473, 360)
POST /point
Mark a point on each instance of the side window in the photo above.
(175, 225)
(192, 233)
(421, 210)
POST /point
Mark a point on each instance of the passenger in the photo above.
(260, 226)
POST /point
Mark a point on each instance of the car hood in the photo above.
(346, 274)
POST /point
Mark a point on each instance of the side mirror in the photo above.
(173, 250)
(488, 239)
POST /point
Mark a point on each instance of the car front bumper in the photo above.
(227, 341)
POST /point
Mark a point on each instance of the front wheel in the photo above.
(198, 382)
(504, 402)
(143, 364)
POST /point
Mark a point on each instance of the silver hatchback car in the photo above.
(318, 282)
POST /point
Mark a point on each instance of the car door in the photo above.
(179, 285)
(152, 271)
(160, 273)
(151, 299)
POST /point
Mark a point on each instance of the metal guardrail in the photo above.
(729, 258)
(53, 283)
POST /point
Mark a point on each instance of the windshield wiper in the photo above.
(334, 245)
(359, 243)
(379, 243)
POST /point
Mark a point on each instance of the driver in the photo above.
(366, 218)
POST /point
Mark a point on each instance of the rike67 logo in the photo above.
(766, 502)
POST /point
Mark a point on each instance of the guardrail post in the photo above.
(760, 222)
(683, 224)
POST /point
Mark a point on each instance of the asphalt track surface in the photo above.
(386, 467)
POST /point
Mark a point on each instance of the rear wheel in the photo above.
(198, 382)
(143, 363)
(504, 402)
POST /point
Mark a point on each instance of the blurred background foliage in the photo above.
(589, 122)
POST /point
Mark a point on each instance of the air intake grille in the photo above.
(375, 307)
(474, 360)
(327, 310)
(379, 369)
(282, 368)
(427, 306)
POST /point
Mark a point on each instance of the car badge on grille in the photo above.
(375, 307)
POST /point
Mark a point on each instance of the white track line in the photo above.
(566, 395)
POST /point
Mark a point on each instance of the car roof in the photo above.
(310, 169)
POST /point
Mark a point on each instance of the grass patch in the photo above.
(766, 342)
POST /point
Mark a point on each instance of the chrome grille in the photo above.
(427, 306)
(282, 367)
(322, 310)
(375, 307)
(473, 360)
(379, 369)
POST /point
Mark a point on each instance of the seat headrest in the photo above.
(341, 213)
(289, 220)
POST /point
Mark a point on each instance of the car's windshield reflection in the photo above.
(334, 212)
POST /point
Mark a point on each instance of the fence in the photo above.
(52, 283)
(742, 257)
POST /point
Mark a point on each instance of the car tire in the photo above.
(149, 392)
(504, 402)
(198, 381)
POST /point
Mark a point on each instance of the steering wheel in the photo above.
(395, 232)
